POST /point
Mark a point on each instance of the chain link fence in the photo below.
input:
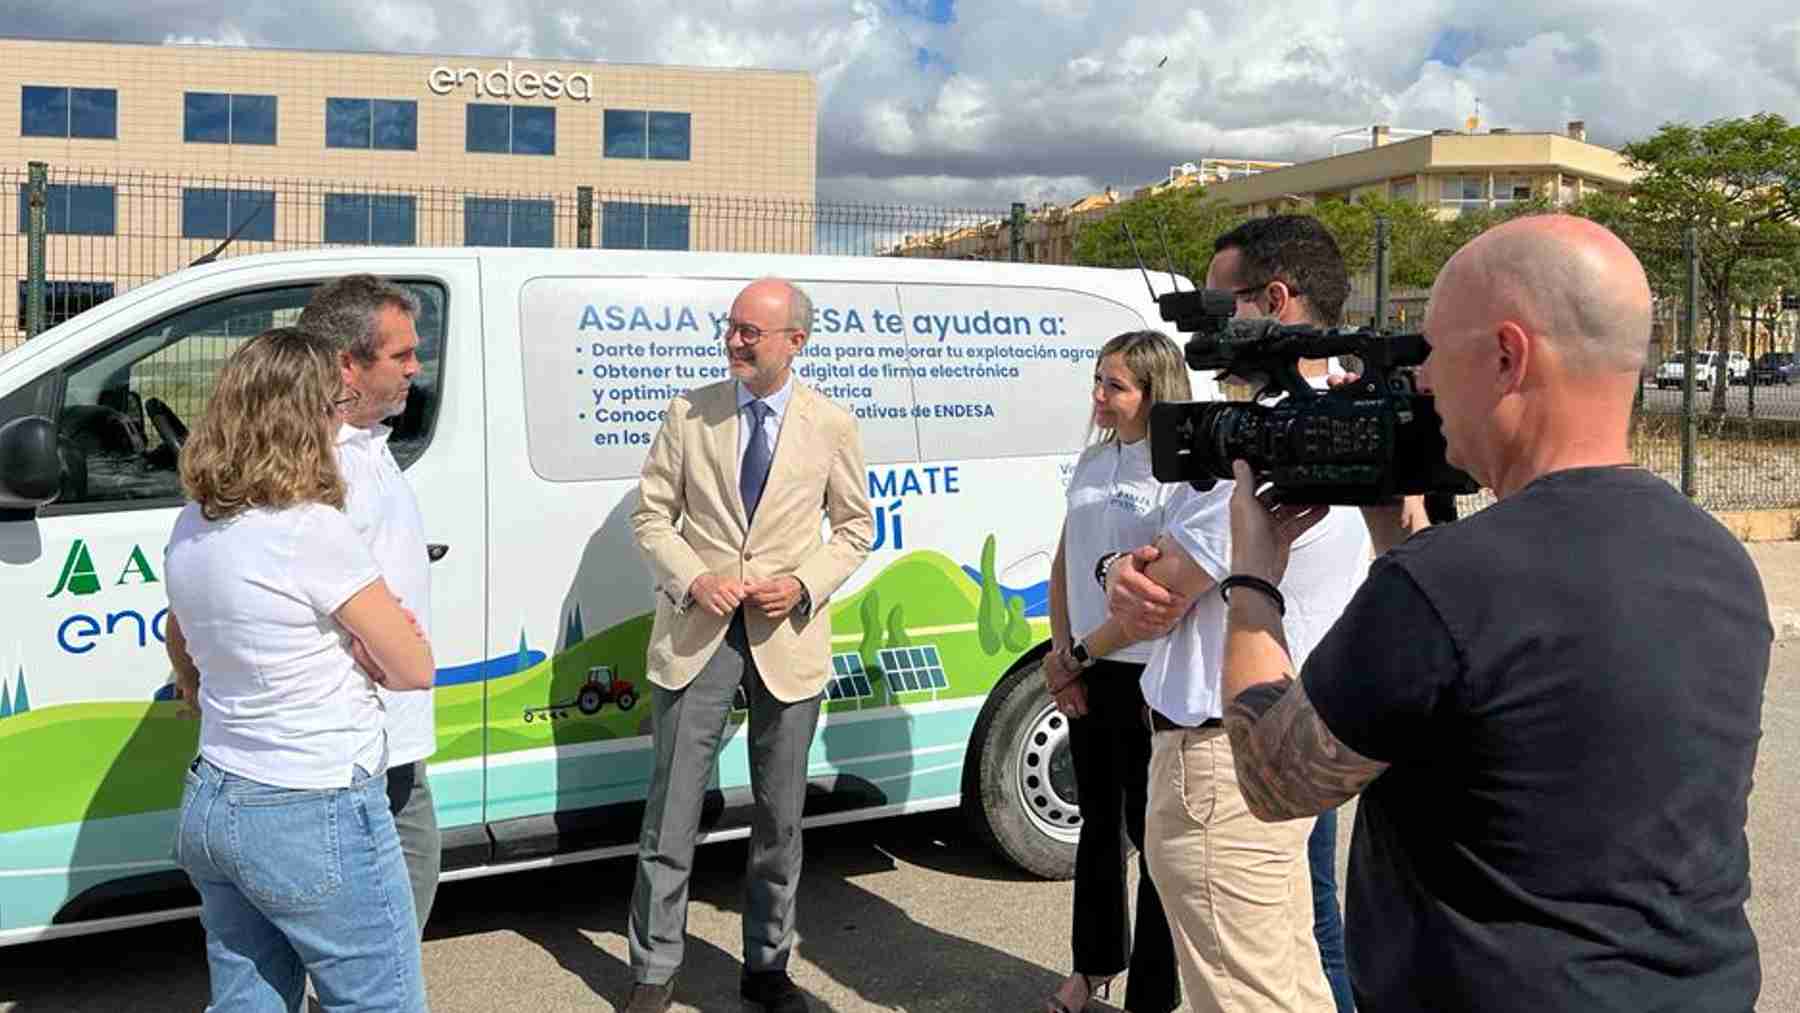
(104, 232)
(1717, 412)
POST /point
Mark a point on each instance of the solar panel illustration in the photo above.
(913, 669)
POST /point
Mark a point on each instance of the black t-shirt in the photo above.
(1568, 689)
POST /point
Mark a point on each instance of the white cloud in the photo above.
(1052, 98)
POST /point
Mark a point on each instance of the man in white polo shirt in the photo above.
(371, 320)
(1238, 892)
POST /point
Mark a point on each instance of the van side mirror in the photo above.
(30, 466)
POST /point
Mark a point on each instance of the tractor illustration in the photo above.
(600, 689)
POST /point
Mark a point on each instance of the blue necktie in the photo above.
(757, 455)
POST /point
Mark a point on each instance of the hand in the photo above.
(187, 690)
(776, 597)
(1261, 535)
(1059, 669)
(1071, 700)
(717, 595)
(1145, 608)
(359, 653)
(413, 621)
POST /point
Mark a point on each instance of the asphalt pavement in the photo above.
(909, 914)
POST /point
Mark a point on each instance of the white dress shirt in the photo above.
(385, 512)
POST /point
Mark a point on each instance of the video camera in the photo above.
(1356, 444)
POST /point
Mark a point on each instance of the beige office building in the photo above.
(1453, 171)
(158, 152)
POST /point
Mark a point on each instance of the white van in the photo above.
(546, 374)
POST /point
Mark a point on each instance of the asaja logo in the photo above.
(79, 577)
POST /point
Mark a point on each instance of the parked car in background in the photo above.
(1775, 368)
(1737, 369)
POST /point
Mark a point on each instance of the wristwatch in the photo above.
(1078, 650)
(1101, 564)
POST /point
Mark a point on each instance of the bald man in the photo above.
(1551, 707)
(735, 490)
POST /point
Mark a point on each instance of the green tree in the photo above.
(1737, 183)
(21, 702)
(896, 636)
(870, 648)
(990, 613)
(1183, 215)
(1018, 630)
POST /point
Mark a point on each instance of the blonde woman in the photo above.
(1114, 505)
(280, 626)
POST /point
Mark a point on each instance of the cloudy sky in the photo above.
(963, 103)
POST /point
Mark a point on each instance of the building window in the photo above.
(1510, 189)
(626, 226)
(1404, 189)
(64, 299)
(1463, 193)
(381, 124)
(215, 214)
(216, 118)
(371, 219)
(73, 210)
(498, 221)
(635, 133)
(68, 112)
(511, 130)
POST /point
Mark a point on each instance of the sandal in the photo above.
(1056, 1005)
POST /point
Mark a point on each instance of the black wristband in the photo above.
(1257, 583)
(1101, 565)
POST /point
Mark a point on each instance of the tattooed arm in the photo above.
(1289, 765)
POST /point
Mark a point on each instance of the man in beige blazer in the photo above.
(733, 491)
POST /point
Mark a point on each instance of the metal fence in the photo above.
(105, 232)
(1717, 410)
(1728, 435)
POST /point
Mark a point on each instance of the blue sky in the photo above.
(977, 104)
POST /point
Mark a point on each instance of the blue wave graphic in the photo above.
(492, 668)
(1037, 596)
(475, 671)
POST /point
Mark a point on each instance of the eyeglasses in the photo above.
(750, 332)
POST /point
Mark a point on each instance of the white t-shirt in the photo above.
(280, 700)
(384, 511)
(1183, 678)
(1114, 505)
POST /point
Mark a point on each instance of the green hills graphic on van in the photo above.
(104, 759)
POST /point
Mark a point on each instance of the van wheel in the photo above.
(1019, 781)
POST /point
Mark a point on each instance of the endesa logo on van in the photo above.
(81, 631)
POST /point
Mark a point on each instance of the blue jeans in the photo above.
(1328, 924)
(297, 881)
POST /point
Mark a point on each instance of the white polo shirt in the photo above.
(1114, 505)
(385, 514)
(1183, 679)
(281, 701)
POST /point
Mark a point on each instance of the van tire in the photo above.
(1037, 834)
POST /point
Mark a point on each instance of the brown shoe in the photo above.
(648, 998)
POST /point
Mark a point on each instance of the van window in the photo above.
(126, 407)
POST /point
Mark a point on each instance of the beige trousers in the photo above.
(1237, 890)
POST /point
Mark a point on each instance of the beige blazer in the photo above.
(690, 521)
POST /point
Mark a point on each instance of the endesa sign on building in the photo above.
(505, 82)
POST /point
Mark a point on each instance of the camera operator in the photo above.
(1550, 708)
(1238, 893)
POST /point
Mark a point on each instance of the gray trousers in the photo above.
(415, 817)
(689, 726)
